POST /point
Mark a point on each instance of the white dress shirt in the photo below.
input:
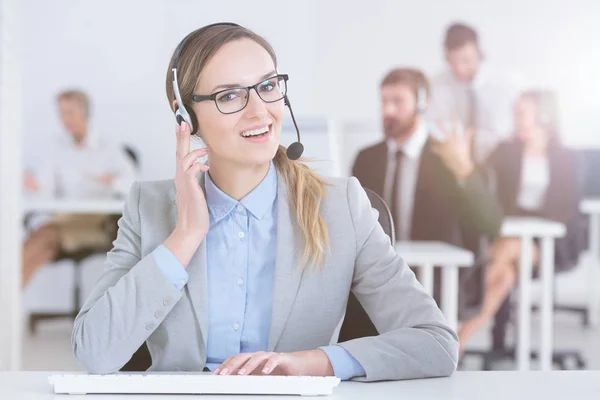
(494, 95)
(535, 178)
(68, 170)
(409, 171)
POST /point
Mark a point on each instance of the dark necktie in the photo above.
(396, 184)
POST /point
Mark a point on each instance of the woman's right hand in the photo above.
(192, 211)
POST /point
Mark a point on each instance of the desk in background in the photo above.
(428, 255)
(510, 385)
(73, 206)
(53, 206)
(528, 229)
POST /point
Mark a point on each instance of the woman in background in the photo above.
(535, 175)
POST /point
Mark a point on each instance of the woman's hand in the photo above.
(300, 363)
(192, 211)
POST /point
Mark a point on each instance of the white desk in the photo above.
(528, 229)
(427, 255)
(72, 206)
(509, 385)
(592, 207)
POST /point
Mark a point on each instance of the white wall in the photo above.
(335, 52)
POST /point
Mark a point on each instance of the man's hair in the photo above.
(78, 96)
(457, 35)
(411, 77)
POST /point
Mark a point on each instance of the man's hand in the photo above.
(300, 363)
(30, 183)
(106, 179)
(455, 151)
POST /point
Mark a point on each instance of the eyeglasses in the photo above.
(229, 101)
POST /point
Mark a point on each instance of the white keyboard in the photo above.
(201, 383)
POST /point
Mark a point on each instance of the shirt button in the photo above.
(240, 235)
(236, 326)
(149, 327)
(159, 314)
(240, 281)
(240, 208)
(167, 302)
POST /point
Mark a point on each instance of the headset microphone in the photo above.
(294, 150)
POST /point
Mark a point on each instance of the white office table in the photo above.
(505, 385)
(73, 206)
(428, 255)
(528, 229)
(591, 206)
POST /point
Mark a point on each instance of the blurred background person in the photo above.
(80, 165)
(432, 187)
(535, 175)
(481, 99)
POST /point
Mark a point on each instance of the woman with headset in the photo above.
(535, 175)
(244, 265)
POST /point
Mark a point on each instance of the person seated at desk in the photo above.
(79, 166)
(245, 268)
(535, 175)
(432, 187)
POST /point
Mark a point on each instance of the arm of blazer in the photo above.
(129, 301)
(414, 340)
(479, 207)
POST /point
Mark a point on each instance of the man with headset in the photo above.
(427, 177)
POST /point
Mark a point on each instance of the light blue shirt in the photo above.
(241, 246)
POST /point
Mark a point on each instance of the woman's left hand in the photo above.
(300, 363)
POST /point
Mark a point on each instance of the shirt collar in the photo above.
(258, 201)
(413, 146)
(92, 140)
(479, 79)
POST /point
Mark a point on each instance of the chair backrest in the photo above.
(357, 323)
(140, 360)
(385, 216)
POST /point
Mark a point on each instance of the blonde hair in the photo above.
(78, 96)
(305, 188)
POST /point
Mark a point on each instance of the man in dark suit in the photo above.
(431, 185)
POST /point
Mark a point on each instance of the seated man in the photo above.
(79, 166)
(431, 185)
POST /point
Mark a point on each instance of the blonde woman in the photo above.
(244, 265)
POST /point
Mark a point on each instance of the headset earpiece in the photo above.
(421, 100)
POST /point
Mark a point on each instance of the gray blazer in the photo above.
(134, 302)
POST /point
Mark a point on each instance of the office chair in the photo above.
(77, 257)
(357, 323)
(589, 187)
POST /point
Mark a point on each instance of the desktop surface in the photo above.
(464, 385)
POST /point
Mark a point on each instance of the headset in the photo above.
(184, 113)
(421, 100)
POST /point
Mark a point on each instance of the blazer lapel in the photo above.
(196, 288)
(288, 263)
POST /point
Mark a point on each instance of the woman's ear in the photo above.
(174, 106)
